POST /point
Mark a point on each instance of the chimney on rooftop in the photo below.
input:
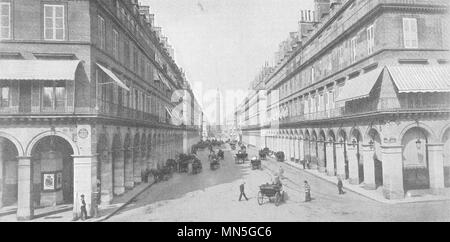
(322, 8)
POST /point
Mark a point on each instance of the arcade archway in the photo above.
(8, 173)
(415, 159)
(446, 141)
(52, 165)
(375, 144)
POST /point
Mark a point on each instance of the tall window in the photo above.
(115, 44)
(353, 50)
(5, 20)
(410, 33)
(370, 40)
(54, 22)
(126, 53)
(54, 95)
(4, 95)
(101, 32)
(313, 74)
(136, 61)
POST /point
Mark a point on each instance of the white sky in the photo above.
(223, 43)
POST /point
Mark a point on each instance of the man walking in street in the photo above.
(340, 186)
(307, 192)
(241, 188)
(83, 208)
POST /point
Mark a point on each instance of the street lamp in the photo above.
(354, 142)
(418, 143)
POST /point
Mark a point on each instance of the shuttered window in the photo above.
(54, 22)
(370, 40)
(5, 20)
(410, 36)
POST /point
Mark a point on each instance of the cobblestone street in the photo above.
(213, 196)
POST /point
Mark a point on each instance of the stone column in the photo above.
(353, 163)
(106, 176)
(119, 171)
(25, 210)
(321, 156)
(297, 150)
(1, 172)
(392, 172)
(436, 166)
(84, 183)
(137, 165)
(129, 177)
(307, 150)
(330, 158)
(340, 160)
(301, 149)
(369, 167)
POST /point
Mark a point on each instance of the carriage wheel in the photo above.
(260, 198)
(277, 199)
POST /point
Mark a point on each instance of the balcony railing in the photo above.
(117, 111)
(384, 105)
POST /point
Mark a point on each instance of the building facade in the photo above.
(89, 90)
(362, 92)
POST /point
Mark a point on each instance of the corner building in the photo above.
(362, 92)
(86, 93)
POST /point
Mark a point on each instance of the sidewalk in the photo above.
(375, 195)
(64, 213)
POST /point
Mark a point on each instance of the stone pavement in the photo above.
(63, 213)
(375, 195)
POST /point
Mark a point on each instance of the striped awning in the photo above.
(113, 77)
(48, 70)
(421, 78)
(161, 78)
(359, 87)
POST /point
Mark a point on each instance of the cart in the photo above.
(196, 166)
(271, 193)
(214, 164)
(256, 164)
(240, 158)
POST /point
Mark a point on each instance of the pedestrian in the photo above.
(281, 172)
(308, 164)
(340, 186)
(304, 164)
(307, 192)
(241, 188)
(83, 208)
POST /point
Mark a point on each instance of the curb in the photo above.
(125, 204)
(390, 202)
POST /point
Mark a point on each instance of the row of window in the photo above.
(133, 99)
(131, 56)
(54, 21)
(337, 59)
(53, 95)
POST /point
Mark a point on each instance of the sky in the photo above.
(224, 43)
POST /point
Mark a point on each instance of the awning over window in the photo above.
(418, 78)
(49, 70)
(360, 86)
(164, 80)
(114, 77)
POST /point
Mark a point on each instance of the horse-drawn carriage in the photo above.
(272, 193)
(221, 154)
(161, 174)
(214, 163)
(240, 158)
(264, 153)
(196, 166)
(183, 162)
(256, 164)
